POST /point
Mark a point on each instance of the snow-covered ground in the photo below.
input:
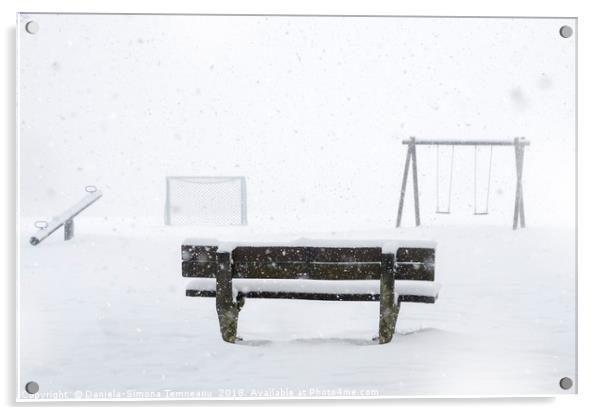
(105, 316)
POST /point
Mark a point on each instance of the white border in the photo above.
(244, 398)
(589, 171)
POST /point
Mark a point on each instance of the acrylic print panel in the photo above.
(316, 114)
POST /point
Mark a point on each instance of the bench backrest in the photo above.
(358, 263)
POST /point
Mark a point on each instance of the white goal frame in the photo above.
(208, 180)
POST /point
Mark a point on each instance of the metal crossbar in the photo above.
(453, 142)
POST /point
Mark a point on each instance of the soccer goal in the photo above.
(210, 201)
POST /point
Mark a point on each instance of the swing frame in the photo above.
(519, 144)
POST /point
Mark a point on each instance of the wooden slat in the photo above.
(322, 271)
(316, 296)
(199, 253)
(415, 271)
(283, 270)
(311, 254)
(415, 255)
(338, 271)
(193, 269)
(303, 270)
(269, 254)
(359, 254)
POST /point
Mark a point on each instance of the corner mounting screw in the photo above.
(566, 31)
(32, 27)
(32, 387)
(566, 383)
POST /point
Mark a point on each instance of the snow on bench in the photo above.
(403, 288)
(388, 271)
(388, 246)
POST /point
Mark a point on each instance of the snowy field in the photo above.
(105, 316)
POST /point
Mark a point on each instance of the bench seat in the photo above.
(352, 290)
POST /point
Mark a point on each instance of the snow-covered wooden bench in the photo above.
(391, 272)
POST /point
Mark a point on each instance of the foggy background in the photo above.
(311, 110)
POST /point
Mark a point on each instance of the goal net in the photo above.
(211, 201)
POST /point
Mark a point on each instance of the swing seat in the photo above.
(441, 212)
(481, 213)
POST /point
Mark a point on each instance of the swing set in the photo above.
(519, 152)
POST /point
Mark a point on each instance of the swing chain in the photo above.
(486, 210)
(449, 189)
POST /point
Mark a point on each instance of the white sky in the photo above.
(311, 110)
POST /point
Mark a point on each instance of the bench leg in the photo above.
(227, 308)
(228, 322)
(389, 309)
(388, 321)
